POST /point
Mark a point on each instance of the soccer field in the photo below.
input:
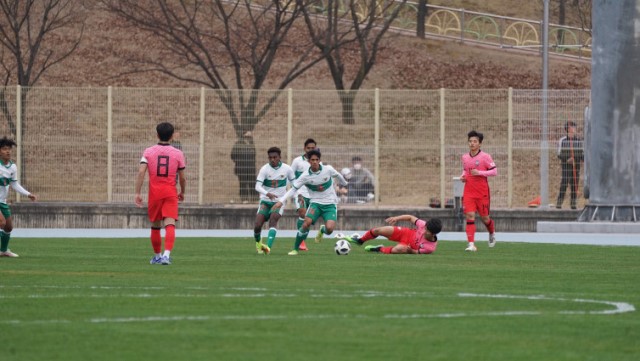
(99, 299)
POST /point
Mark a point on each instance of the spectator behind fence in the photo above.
(343, 191)
(571, 154)
(361, 184)
(243, 155)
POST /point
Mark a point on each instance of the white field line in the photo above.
(616, 307)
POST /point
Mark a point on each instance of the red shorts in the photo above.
(480, 205)
(406, 236)
(162, 208)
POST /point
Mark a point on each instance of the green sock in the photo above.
(323, 229)
(271, 237)
(300, 236)
(299, 223)
(256, 236)
(4, 241)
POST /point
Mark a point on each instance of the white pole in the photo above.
(18, 134)
(510, 151)
(289, 125)
(442, 150)
(544, 147)
(109, 144)
(376, 146)
(201, 155)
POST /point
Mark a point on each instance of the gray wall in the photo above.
(613, 145)
(125, 216)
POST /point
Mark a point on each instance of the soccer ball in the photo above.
(342, 247)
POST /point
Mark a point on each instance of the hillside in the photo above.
(404, 62)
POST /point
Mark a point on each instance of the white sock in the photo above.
(166, 253)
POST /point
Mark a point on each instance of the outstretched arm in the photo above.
(405, 217)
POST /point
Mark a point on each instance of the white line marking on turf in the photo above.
(618, 307)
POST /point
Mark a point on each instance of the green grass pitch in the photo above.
(99, 299)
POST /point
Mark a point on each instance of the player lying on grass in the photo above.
(419, 240)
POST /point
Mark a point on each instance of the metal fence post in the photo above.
(442, 151)
(18, 134)
(109, 144)
(201, 146)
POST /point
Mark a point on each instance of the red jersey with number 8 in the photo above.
(163, 162)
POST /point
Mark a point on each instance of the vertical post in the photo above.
(18, 134)
(109, 144)
(289, 125)
(510, 150)
(201, 148)
(376, 146)
(544, 147)
(442, 151)
(462, 25)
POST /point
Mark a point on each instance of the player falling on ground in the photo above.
(324, 200)
(301, 198)
(476, 167)
(271, 184)
(163, 162)
(420, 240)
(8, 177)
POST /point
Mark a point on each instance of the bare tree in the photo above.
(30, 33)
(224, 45)
(357, 28)
(584, 13)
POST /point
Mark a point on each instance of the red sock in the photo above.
(491, 226)
(471, 231)
(156, 240)
(169, 237)
(367, 236)
(386, 250)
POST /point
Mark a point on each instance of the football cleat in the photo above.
(265, 249)
(354, 239)
(259, 248)
(471, 247)
(293, 253)
(166, 260)
(156, 260)
(319, 236)
(492, 240)
(377, 248)
(8, 253)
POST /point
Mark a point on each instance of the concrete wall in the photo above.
(92, 215)
(613, 141)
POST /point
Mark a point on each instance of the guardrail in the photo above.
(482, 28)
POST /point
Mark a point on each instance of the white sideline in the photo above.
(602, 239)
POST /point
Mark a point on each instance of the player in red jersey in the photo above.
(164, 163)
(419, 240)
(476, 167)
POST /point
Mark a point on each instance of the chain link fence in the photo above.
(84, 144)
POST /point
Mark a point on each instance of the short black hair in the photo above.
(314, 152)
(6, 142)
(165, 131)
(434, 225)
(274, 150)
(568, 124)
(308, 141)
(473, 133)
(356, 159)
